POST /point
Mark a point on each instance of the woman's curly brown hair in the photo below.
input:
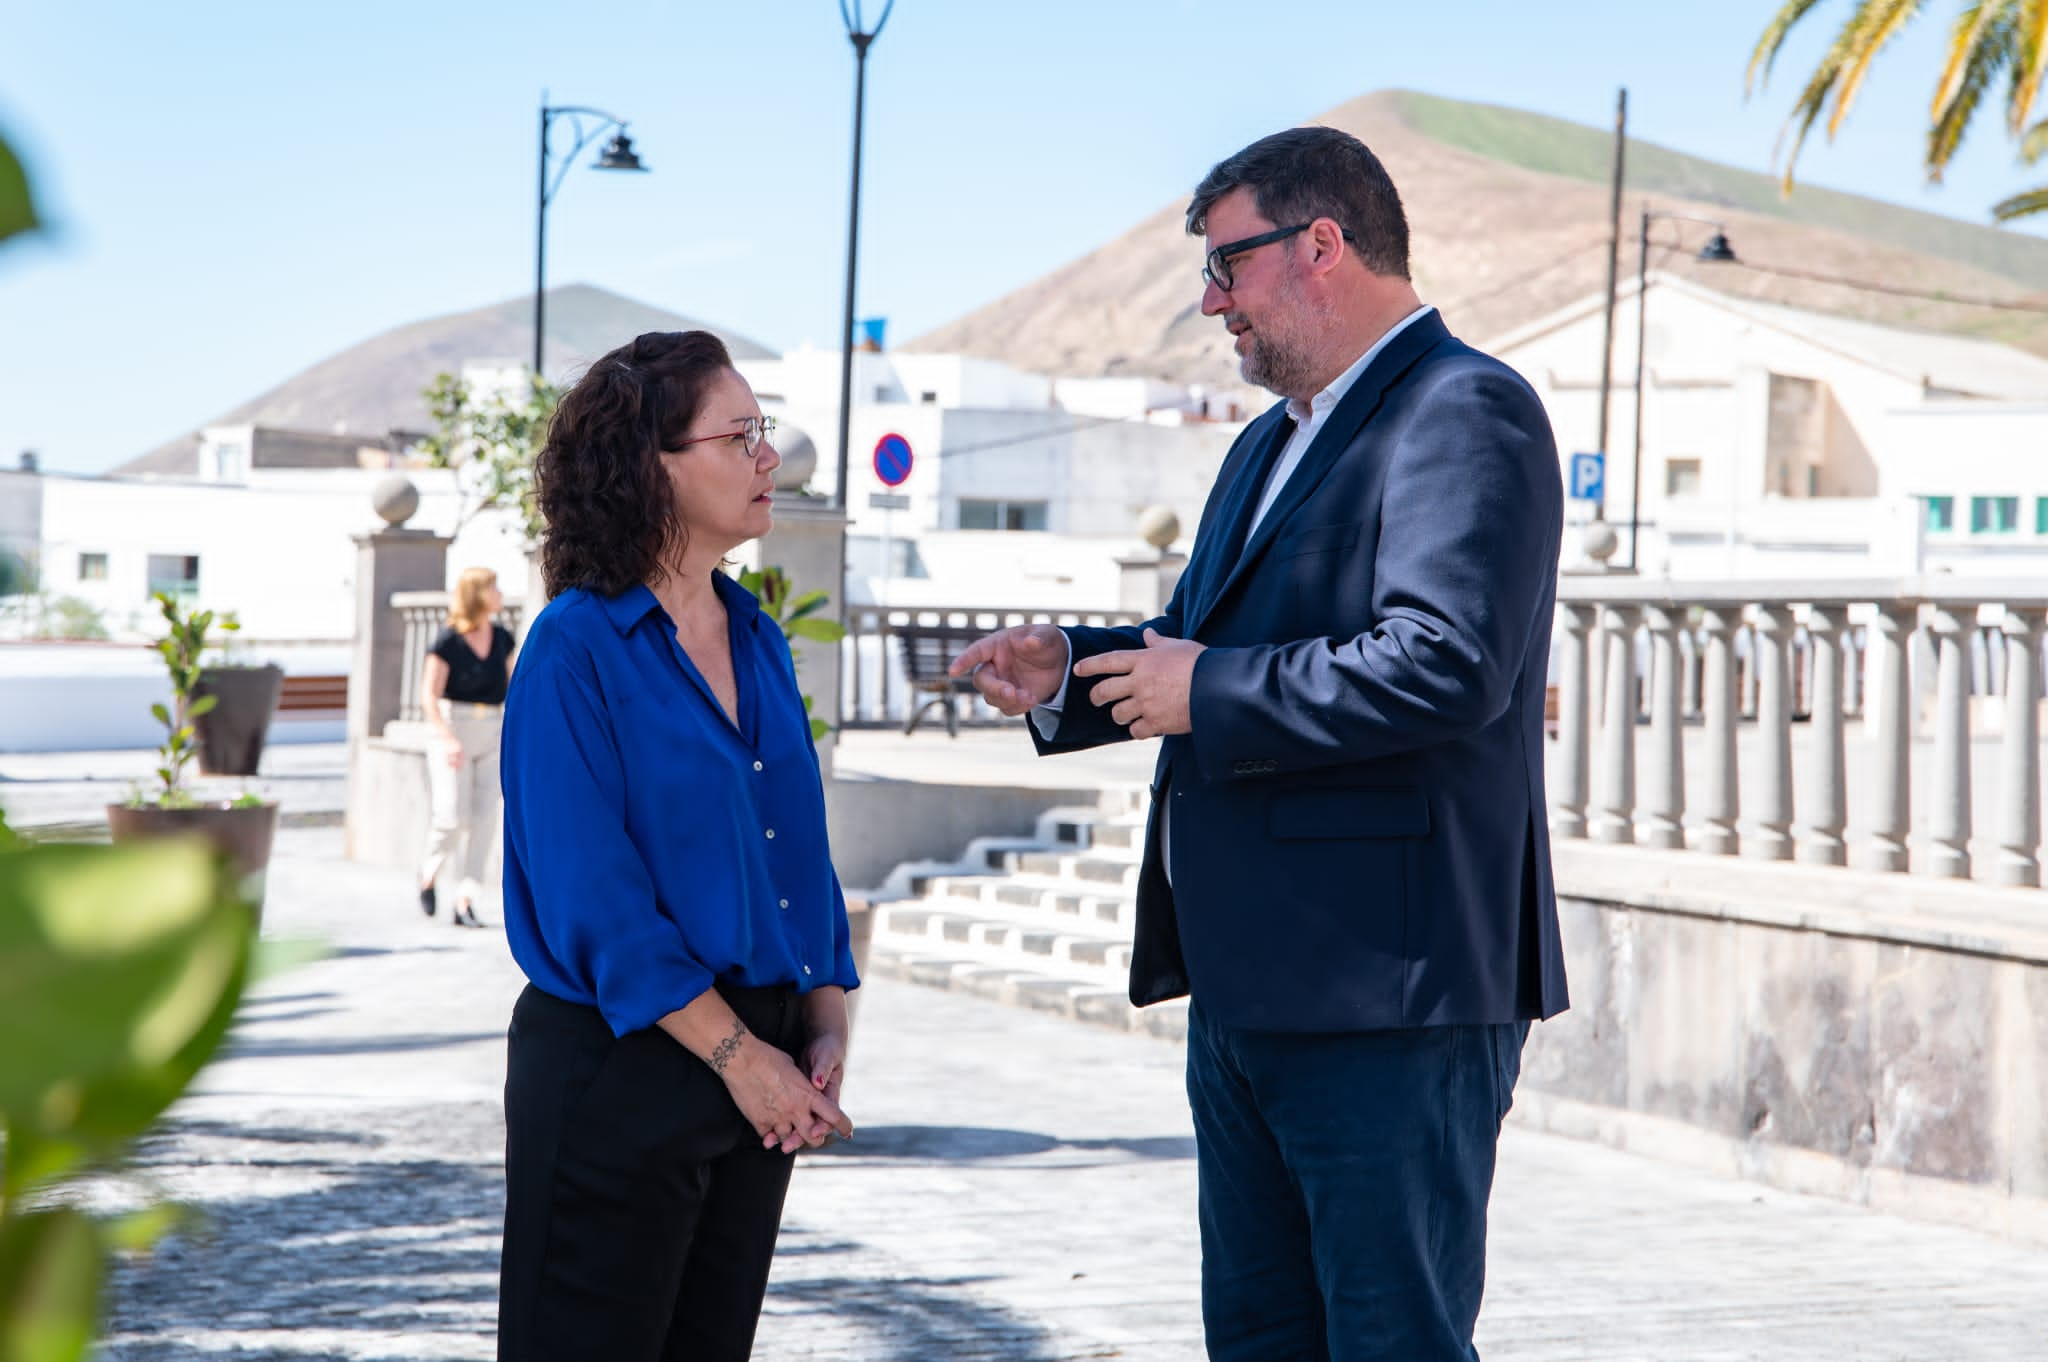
(604, 496)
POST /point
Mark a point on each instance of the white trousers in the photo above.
(465, 799)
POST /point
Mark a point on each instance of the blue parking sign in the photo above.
(1589, 476)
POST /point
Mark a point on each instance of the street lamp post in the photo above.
(589, 124)
(1716, 251)
(862, 39)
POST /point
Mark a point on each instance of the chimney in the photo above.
(28, 461)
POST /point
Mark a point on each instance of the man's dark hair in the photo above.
(606, 500)
(1308, 173)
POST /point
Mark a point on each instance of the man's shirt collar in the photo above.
(1319, 406)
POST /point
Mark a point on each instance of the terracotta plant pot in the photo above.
(243, 835)
(231, 734)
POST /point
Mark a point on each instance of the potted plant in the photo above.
(231, 730)
(243, 827)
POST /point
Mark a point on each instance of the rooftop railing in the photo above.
(1639, 663)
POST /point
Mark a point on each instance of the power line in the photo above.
(1529, 277)
(1895, 290)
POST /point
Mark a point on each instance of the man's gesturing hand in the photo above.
(1147, 691)
(1016, 669)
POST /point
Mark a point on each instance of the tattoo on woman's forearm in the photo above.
(727, 1048)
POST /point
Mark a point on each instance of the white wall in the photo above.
(280, 555)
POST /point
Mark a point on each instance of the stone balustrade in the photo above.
(423, 615)
(1906, 667)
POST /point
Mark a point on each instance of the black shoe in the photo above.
(427, 903)
(462, 915)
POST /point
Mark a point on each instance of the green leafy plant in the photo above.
(183, 645)
(1989, 42)
(796, 614)
(491, 440)
(120, 971)
(71, 617)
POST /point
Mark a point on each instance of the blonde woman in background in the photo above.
(464, 686)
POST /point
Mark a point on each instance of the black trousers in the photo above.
(640, 1208)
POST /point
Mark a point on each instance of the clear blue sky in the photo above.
(242, 189)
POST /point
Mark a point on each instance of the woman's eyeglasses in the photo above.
(752, 431)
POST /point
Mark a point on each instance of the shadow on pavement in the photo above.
(948, 1144)
(246, 1047)
(403, 1249)
(875, 1313)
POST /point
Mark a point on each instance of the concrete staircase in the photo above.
(1042, 922)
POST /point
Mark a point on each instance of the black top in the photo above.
(472, 679)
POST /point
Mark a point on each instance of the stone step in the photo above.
(1023, 936)
(1113, 908)
(962, 967)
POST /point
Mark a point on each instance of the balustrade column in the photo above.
(1568, 783)
(1615, 821)
(1664, 766)
(1948, 812)
(1771, 839)
(1888, 700)
(2019, 782)
(1718, 704)
(1826, 797)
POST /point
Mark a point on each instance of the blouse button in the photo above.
(757, 766)
(807, 969)
(771, 834)
(785, 903)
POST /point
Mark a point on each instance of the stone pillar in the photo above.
(1888, 710)
(1664, 768)
(1826, 797)
(1948, 811)
(1771, 837)
(1615, 821)
(1568, 784)
(1145, 581)
(2019, 780)
(1718, 704)
(388, 561)
(805, 544)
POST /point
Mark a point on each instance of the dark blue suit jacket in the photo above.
(1358, 823)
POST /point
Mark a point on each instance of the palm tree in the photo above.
(1989, 41)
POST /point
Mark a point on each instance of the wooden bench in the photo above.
(314, 695)
(926, 655)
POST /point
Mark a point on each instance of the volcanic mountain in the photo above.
(1509, 220)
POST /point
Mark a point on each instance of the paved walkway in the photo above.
(1022, 1188)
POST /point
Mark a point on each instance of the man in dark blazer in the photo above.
(1347, 867)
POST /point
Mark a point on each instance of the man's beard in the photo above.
(1281, 358)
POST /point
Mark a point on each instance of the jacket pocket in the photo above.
(1305, 815)
(1316, 539)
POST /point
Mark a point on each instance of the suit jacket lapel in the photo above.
(1334, 440)
(1235, 514)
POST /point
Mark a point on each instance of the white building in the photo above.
(1024, 490)
(1781, 442)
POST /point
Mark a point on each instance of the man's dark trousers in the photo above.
(1343, 1186)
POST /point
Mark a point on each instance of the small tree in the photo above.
(490, 439)
(184, 642)
(797, 617)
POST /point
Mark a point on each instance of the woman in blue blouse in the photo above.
(667, 887)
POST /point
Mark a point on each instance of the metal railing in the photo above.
(1663, 654)
(425, 615)
(876, 686)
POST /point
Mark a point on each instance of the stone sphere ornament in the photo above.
(799, 458)
(1158, 526)
(1599, 540)
(395, 499)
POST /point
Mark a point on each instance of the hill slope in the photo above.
(1508, 213)
(374, 387)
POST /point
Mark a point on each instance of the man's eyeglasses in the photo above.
(752, 431)
(1217, 270)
